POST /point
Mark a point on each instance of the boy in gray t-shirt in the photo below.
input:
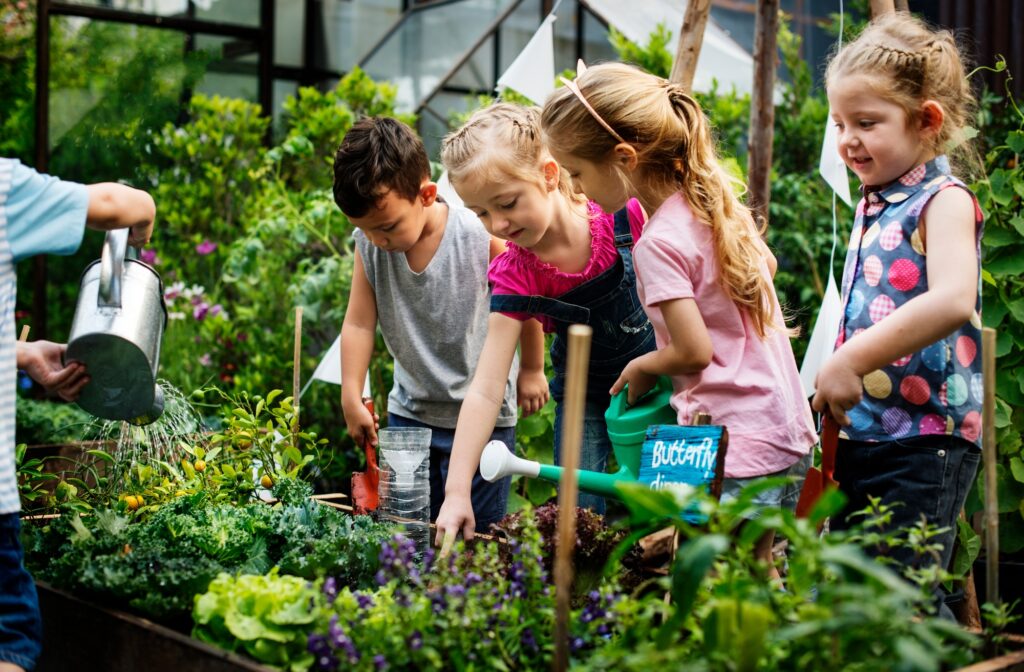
(420, 272)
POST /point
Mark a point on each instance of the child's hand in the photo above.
(839, 388)
(362, 425)
(532, 391)
(456, 514)
(639, 381)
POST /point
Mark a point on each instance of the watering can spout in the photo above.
(497, 462)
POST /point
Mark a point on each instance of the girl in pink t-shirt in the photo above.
(704, 274)
(566, 262)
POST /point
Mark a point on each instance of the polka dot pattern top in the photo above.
(937, 390)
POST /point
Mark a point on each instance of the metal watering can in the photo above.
(627, 427)
(119, 322)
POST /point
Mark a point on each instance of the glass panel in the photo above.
(427, 44)
(238, 12)
(517, 30)
(157, 7)
(596, 47)
(477, 74)
(110, 85)
(352, 27)
(234, 72)
(289, 21)
(282, 89)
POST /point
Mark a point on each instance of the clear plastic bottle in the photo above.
(404, 488)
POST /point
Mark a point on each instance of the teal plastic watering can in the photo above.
(627, 427)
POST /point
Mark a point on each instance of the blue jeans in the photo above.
(928, 476)
(594, 448)
(490, 500)
(21, 629)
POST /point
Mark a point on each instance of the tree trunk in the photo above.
(691, 37)
(762, 108)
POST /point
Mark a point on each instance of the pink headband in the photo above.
(572, 86)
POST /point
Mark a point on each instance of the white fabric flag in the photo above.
(831, 165)
(823, 337)
(447, 191)
(533, 72)
(329, 369)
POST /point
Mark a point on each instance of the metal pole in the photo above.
(42, 155)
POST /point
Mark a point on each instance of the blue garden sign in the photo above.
(691, 455)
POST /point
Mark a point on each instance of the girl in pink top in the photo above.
(704, 274)
(566, 262)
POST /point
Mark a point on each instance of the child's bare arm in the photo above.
(358, 335)
(532, 385)
(952, 269)
(689, 350)
(476, 423)
(118, 206)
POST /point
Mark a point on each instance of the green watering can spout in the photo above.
(627, 427)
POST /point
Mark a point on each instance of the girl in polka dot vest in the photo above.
(905, 379)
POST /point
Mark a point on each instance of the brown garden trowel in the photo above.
(364, 483)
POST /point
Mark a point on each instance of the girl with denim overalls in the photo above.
(566, 262)
(905, 379)
(704, 275)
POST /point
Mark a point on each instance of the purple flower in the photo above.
(330, 589)
(528, 640)
(206, 247)
(380, 662)
(416, 640)
(206, 359)
(364, 601)
(148, 256)
(200, 311)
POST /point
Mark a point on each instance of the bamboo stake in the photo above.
(879, 7)
(988, 445)
(572, 436)
(691, 37)
(762, 108)
(295, 374)
(24, 333)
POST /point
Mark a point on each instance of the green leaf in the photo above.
(101, 454)
(994, 311)
(1017, 222)
(1015, 141)
(1003, 414)
(693, 561)
(999, 237)
(1006, 264)
(1017, 469)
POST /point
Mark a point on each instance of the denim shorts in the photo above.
(490, 500)
(21, 629)
(594, 448)
(927, 476)
(784, 496)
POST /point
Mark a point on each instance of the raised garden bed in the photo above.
(85, 637)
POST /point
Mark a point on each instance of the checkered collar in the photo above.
(898, 190)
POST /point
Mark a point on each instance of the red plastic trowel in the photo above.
(364, 483)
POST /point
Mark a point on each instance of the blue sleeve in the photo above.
(45, 215)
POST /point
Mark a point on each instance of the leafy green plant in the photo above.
(838, 606)
(1001, 197)
(157, 564)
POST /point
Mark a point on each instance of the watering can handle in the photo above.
(111, 268)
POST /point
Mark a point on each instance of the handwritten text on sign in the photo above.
(674, 454)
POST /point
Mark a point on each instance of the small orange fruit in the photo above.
(200, 466)
(267, 482)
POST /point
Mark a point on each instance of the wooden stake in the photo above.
(572, 436)
(691, 37)
(24, 333)
(295, 374)
(762, 108)
(879, 7)
(988, 451)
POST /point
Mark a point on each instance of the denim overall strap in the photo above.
(540, 305)
(623, 234)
